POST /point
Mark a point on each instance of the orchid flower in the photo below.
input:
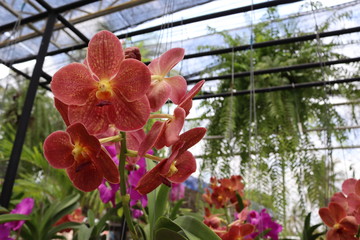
(175, 169)
(24, 207)
(239, 232)
(81, 154)
(107, 89)
(162, 88)
(341, 226)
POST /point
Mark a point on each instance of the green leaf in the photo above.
(240, 202)
(84, 232)
(161, 201)
(68, 225)
(91, 218)
(165, 233)
(3, 210)
(13, 217)
(195, 228)
(164, 222)
(102, 222)
(175, 209)
(151, 201)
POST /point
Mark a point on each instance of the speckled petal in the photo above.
(178, 88)
(151, 138)
(133, 79)
(186, 102)
(186, 165)
(150, 180)
(158, 94)
(58, 150)
(129, 116)
(85, 175)
(72, 84)
(104, 162)
(174, 126)
(63, 110)
(163, 64)
(79, 134)
(105, 55)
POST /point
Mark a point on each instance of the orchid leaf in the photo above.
(3, 210)
(165, 233)
(13, 217)
(151, 200)
(195, 229)
(161, 201)
(175, 209)
(91, 218)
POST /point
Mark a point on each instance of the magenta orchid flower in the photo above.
(162, 88)
(81, 154)
(107, 89)
(24, 207)
(177, 191)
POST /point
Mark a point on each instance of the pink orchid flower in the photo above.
(162, 88)
(107, 89)
(175, 169)
(81, 154)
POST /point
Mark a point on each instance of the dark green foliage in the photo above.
(309, 232)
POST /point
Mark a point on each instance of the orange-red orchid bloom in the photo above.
(178, 167)
(106, 89)
(342, 227)
(162, 88)
(239, 232)
(81, 154)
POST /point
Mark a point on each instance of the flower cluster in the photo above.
(247, 224)
(24, 207)
(112, 91)
(223, 192)
(342, 215)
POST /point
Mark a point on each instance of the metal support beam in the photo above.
(278, 69)
(278, 88)
(26, 113)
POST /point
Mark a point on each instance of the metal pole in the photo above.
(26, 113)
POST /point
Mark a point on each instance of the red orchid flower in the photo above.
(342, 227)
(239, 232)
(107, 89)
(162, 88)
(81, 154)
(175, 169)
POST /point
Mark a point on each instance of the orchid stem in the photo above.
(124, 197)
(116, 138)
(161, 115)
(132, 153)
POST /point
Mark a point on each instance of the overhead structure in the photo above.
(55, 33)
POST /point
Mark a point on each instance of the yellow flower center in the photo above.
(78, 151)
(157, 78)
(172, 170)
(104, 91)
(336, 226)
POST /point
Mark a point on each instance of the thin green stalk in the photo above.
(124, 197)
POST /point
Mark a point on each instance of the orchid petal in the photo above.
(163, 64)
(246, 229)
(186, 102)
(326, 216)
(151, 138)
(133, 140)
(72, 84)
(129, 116)
(133, 81)
(109, 169)
(349, 225)
(150, 180)
(158, 94)
(337, 211)
(174, 126)
(190, 138)
(357, 187)
(85, 176)
(63, 110)
(93, 115)
(348, 186)
(58, 150)
(353, 201)
(105, 55)
(79, 134)
(178, 88)
(186, 165)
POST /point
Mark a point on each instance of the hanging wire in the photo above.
(327, 135)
